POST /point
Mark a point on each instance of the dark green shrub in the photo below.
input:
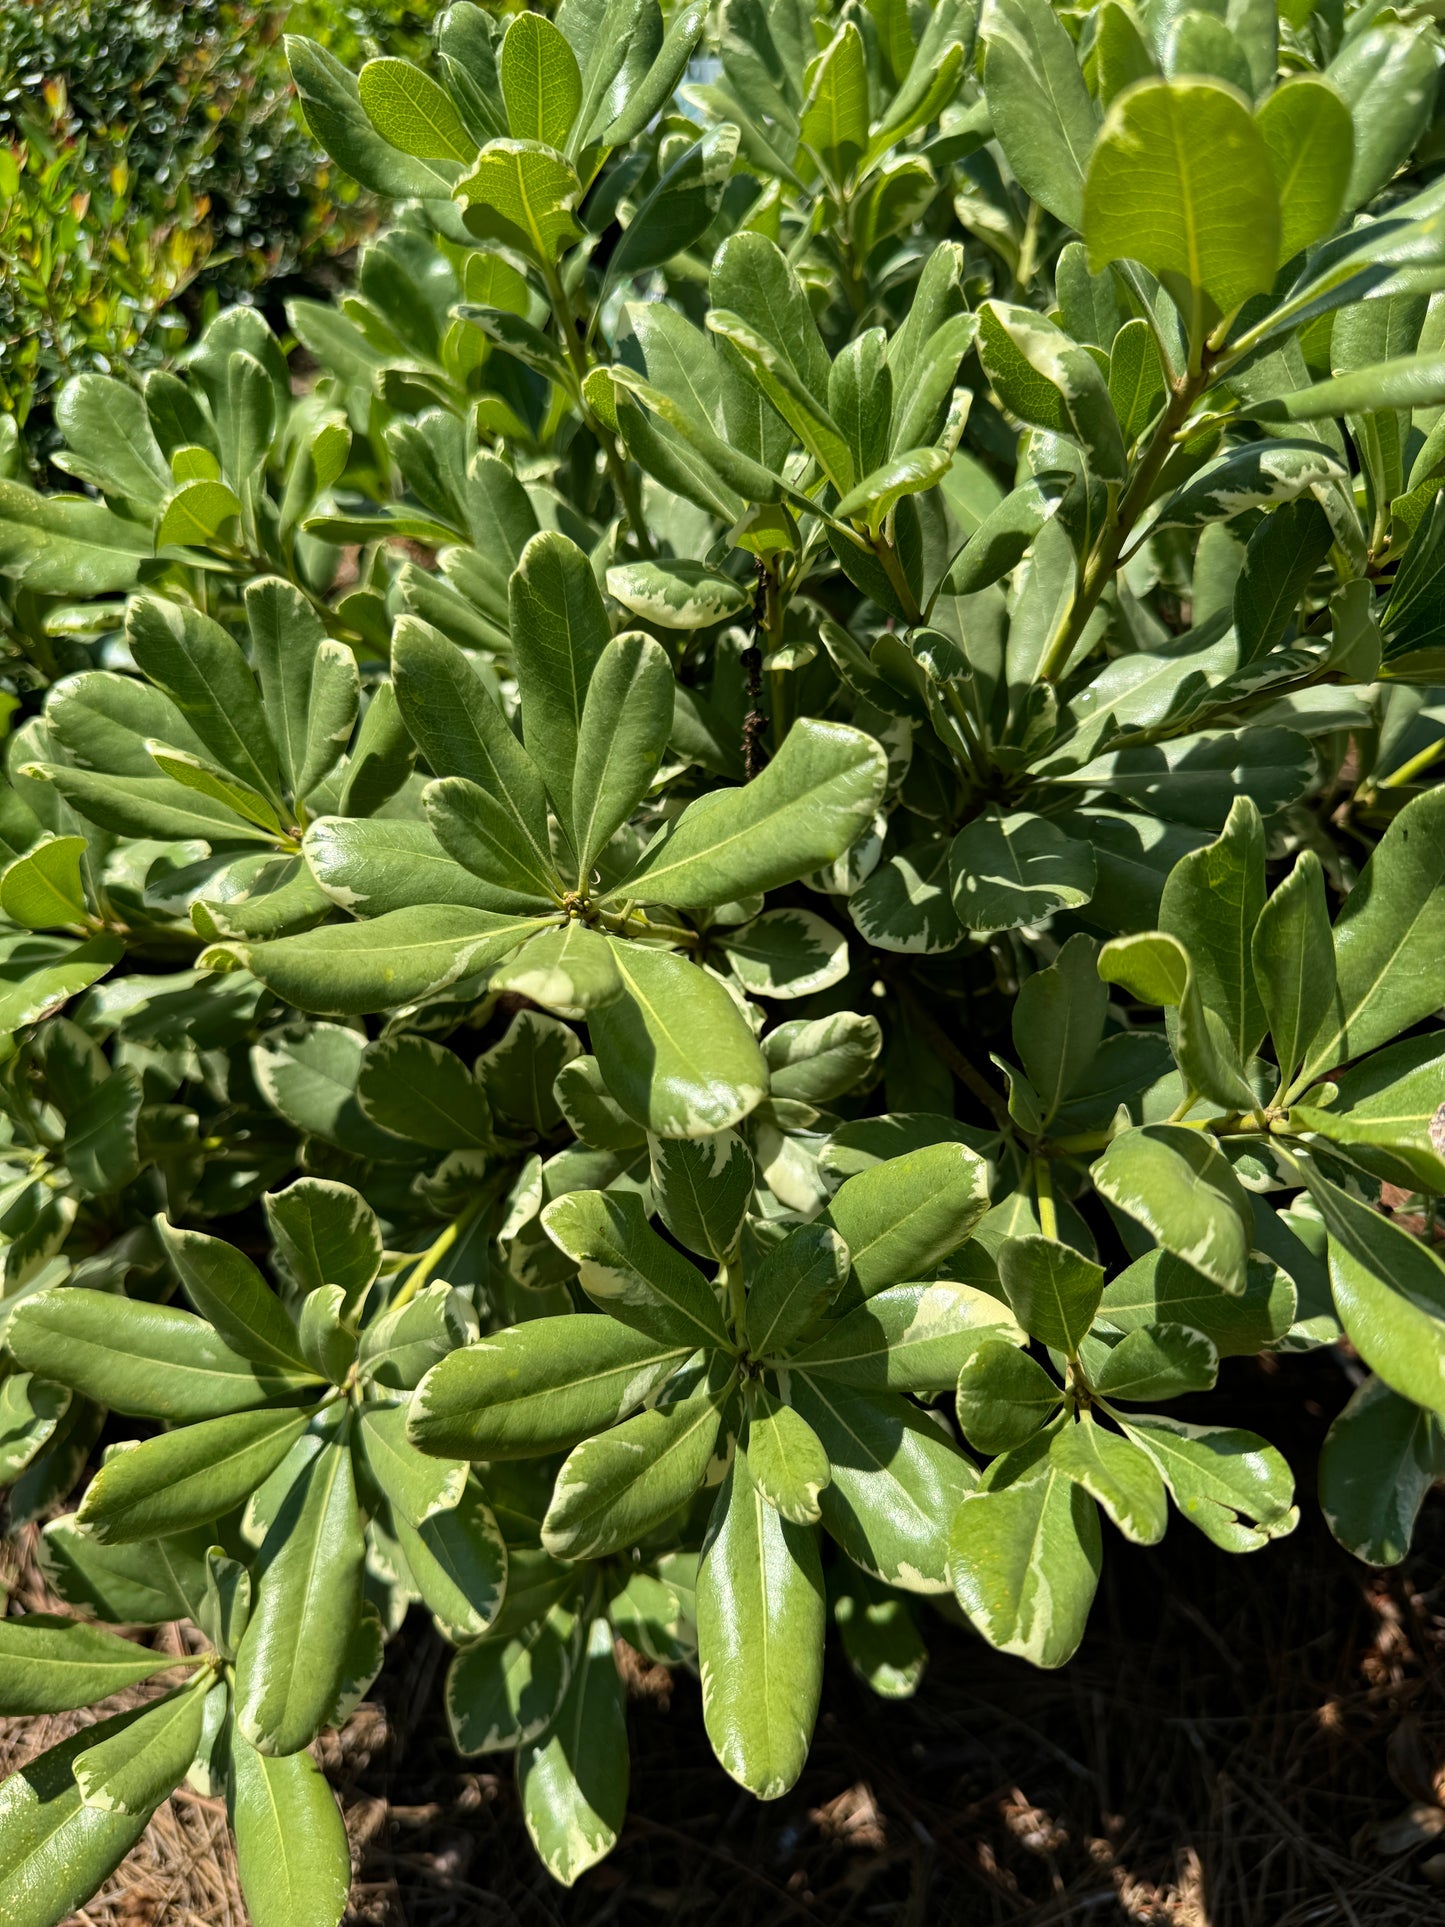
(802, 780)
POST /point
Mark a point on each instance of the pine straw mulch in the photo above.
(1250, 1742)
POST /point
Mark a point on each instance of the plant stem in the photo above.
(898, 581)
(422, 1270)
(1104, 557)
(1044, 1187)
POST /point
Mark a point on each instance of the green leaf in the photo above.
(196, 513)
(524, 195)
(573, 1775)
(309, 684)
(896, 1481)
(226, 1288)
(1279, 565)
(905, 1215)
(702, 1188)
(677, 594)
(615, 1488)
(1116, 1475)
(621, 736)
(331, 102)
(786, 1457)
(1311, 141)
(307, 1599)
(834, 120)
(1005, 533)
(805, 809)
(681, 207)
(632, 1272)
(1388, 1112)
(1058, 1023)
(414, 1088)
(478, 831)
(1017, 869)
(1181, 181)
(401, 1345)
(186, 1478)
(144, 1584)
(908, 1338)
(503, 1691)
(591, 1110)
(661, 79)
(538, 1388)
(1157, 969)
(152, 1361)
(204, 673)
(674, 1048)
(1161, 1289)
(324, 1234)
(457, 1560)
(559, 633)
(786, 954)
(1379, 1459)
(43, 888)
(912, 472)
(148, 806)
(1136, 380)
(68, 545)
(1385, 75)
(1045, 378)
(195, 773)
(55, 1852)
(760, 1621)
(1042, 115)
(1252, 475)
(1409, 381)
(1294, 961)
(49, 1664)
(1230, 1484)
(1389, 1290)
(31, 1409)
(458, 727)
(1183, 1190)
(291, 1851)
(1388, 941)
(540, 81)
(1024, 1556)
(1212, 904)
(811, 1062)
(1004, 1396)
(792, 1286)
(134, 1770)
(414, 1485)
(568, 969)
(410, 112)
(880, 1634)
(109, 439)
(1157, 1362)
(344, 969)
(1053, 1289)
(786, 390)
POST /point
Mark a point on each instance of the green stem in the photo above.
(898, 581)
(1103, 559)
(1044, 1187)
(422, 1270)
(1416, 766)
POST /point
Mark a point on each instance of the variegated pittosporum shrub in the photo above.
(786, 769)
